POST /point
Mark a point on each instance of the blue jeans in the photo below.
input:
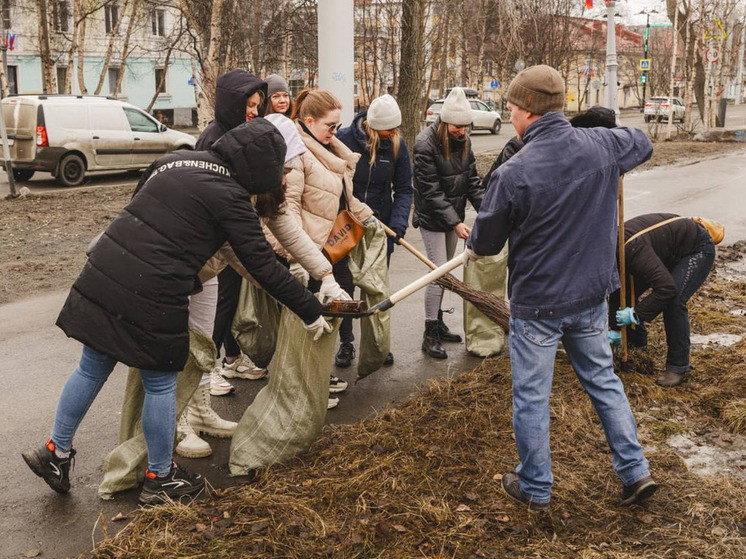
(158, 413)
(533, 347)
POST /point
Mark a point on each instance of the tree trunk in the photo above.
(210, 63)
(110, 49)
(158, 87)
(410, 69)
(81, 57)
(125, 47)
(73, 48)
(45, 53)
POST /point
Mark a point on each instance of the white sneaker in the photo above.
(333, 402)
(218, 385)
(204, 420)
(191, 446)
(337, 384)
(244, 368)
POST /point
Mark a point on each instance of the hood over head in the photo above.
(255, 151)
(231, 92)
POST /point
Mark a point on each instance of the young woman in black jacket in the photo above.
(445, 177)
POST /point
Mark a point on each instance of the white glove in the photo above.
(470, 255)
(373, 221)
(331, 290)
(299, 273)
(318, 327)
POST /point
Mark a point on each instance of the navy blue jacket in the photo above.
(386, 186)
(555, 201)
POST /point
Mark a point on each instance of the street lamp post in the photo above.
(610, 97)
(645, 56)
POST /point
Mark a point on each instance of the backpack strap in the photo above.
(655, 226)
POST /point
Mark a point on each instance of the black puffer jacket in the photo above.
(441, 187)
(130, 302)
(231, 92)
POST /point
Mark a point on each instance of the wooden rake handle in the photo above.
(391, 233)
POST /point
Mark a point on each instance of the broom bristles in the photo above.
(489, 305)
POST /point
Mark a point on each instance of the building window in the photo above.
(113, 74)
(160, 75)
(61, 79)
(6, 15)
(12, 79)
(61, 15)
(111, 17)
(158, 22)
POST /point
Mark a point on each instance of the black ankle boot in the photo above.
(431, 341)
(445, 334)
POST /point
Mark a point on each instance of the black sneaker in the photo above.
(638, 492)
(389, 359)
(345, 355)
(177, 484)
(511, 486)
(45, 464)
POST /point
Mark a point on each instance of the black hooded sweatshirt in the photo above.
(231, 92)
(131, 301)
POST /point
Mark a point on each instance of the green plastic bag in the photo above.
(255, 323)
(287, 415)
(124, 467)
(483, 337)
(371, 273)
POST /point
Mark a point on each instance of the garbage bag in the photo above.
(370, 272)
(255, 323)
(483, 337)
(288, 414)
(124, 467)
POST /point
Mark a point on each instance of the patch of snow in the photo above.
(712, 454)
(724, 340)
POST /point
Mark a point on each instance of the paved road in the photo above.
(36, 358)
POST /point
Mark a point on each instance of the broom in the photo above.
(489, 305)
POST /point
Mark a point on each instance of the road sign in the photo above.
(712, 55)
(494, 84)
(595, 84)
(645, 64)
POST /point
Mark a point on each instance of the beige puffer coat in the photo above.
(313, 194)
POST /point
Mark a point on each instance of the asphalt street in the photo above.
(36, 359)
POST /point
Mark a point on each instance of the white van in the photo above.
(67, 135)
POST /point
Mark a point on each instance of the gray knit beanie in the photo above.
(275, 84)
(538, 89)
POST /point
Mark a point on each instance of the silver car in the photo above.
(483, 118)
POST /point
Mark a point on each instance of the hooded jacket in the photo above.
(130, 302)
(386, 186)
(441, 187)
(231, 92)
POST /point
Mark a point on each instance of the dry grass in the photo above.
(423, 480)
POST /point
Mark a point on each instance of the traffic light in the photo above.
(644, 78)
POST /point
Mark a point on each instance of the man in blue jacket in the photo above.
(555, 203)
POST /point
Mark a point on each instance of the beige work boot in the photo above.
(191, 446)
(204, 420)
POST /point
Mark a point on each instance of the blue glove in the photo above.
(615, 338)
(627, 316)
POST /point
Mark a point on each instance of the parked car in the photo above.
(658, 108)
(483, 118)
(67, 135)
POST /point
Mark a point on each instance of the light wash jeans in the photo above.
(158, 412)
(533, 347)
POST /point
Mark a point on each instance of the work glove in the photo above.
(470, 255)
(373, 221)
(627, 316)
(615, 338)
(400, 232)
(299, 273)
(318, 327)
(332, 291)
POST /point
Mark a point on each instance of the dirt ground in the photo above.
(44, 237)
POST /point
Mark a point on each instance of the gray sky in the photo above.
(633, 12)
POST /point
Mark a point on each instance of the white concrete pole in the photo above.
(739, 74)
(611, 92)
(336, 52)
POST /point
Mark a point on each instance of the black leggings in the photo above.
(343, 276)
(229, 289)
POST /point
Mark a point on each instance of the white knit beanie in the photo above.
(289, 132)
(456, 109)
(384, 113)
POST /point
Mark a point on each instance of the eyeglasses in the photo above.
(333, 127)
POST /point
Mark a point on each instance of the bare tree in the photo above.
(410, 70)
(49, 82)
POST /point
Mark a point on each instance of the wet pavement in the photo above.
(36, 359)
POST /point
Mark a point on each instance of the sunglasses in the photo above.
(333, 127)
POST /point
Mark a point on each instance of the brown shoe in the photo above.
(669, 378)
